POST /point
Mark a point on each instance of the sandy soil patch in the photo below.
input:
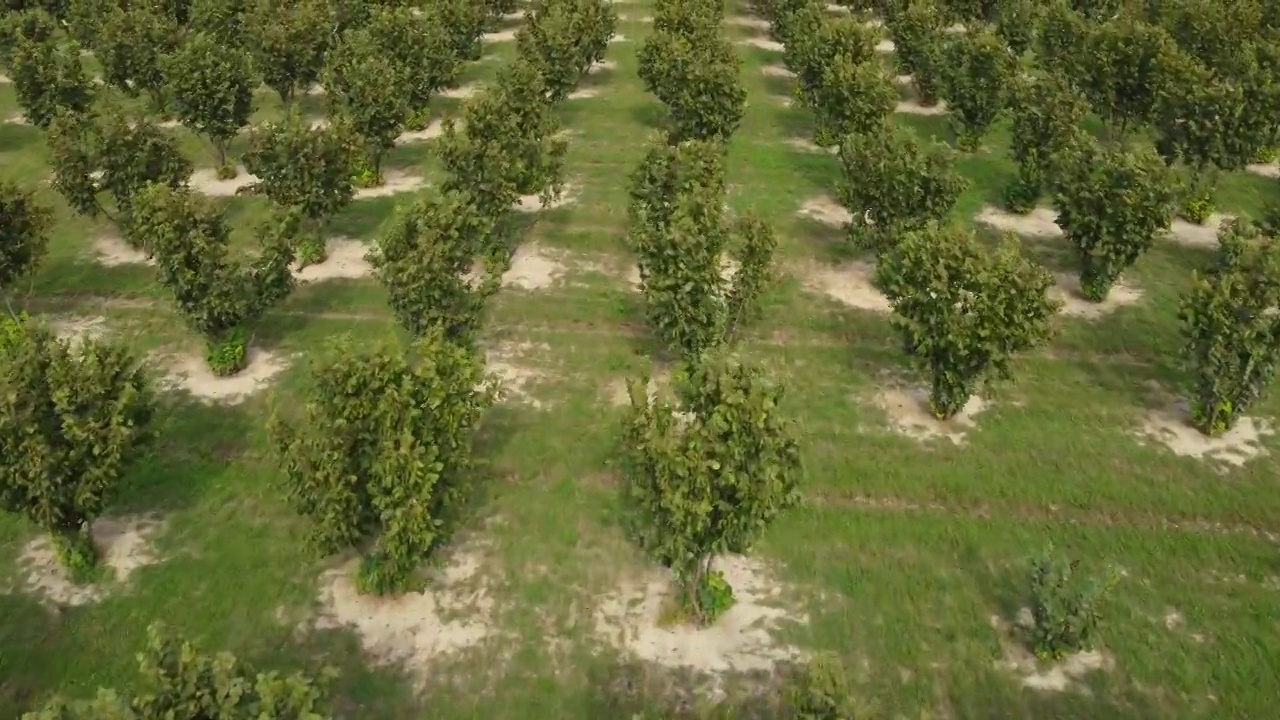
(346, 260)
(4, 78)
(205, 180)
(191, 373)
(500, 36)
(911, 107)
(826, 211)
(762, 44)
(602, 66)
(533, 204)
(1040, 223)
(753, 23)
(1169, 423)
(849, 284)
(534, 268)
(1067, 291)
(1270, 170)
(414, 629)
(777, 70)
(630, 18)
(617, 38)
(78, 330)
(123, 544)
(433, 130)
(1056, 677)
(464, 92)
(584, 93)
(908, 411)
(113, 251)
(517, 378)
(17, 119)
(394, 182)
(742, 640)
(808, 145)
(904, 81)
(1201, 236)
(783, 100)
(885, 46)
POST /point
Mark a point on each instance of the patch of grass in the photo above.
(909, 548)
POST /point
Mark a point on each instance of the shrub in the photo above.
(214, 295)
(1112, 204)
(24, 228)
(823, 691)
(1047, 113)
(48, 78)
(710, 485)
(848, 99)
(1065, 609)
(383, 452)
(1231, 330)
(131, 47)
(563, 38)
(367, 95)
(919, 35)
(289, 41)
(72, 421)
(976, 73)
(211, 87)
(697, 79)
(894, 183)
(964, 310)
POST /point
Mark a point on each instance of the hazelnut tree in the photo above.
(918, 31)
(383, 452)
(289, 40)
(848, 99)
(418, 46)
(963, 309)
(564, 38)
(370, 97)
(1047, 113)
(711, 481)
(48, 78)
(132, 46)
(696, 77)
(24, 233)
(976, 73)
(210, 86)
(72, 421)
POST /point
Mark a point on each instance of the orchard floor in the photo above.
(900, 556)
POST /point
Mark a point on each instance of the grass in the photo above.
(899, 555)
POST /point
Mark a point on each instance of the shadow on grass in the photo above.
(33, 628)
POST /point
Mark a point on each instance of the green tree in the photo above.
(216, 296)
(1018, 24)
(182, 681)
(680, 237)
(427, 261)
(963, 309)
(690, 19)
(465, 20)
(289, 40)
(848, 99)
(24, 233)
(224, 19)
(371, 99)
(1124, 62)
(563, 38)
(369, 461)
(48, 78)
(697, 79)
(132, 46)
(1112, 204)
(419, 46)
(918, 32)
(304, 168)
(976, 74)
(831, 40)
(894, 182)
(18, 26)
(1231, 329)
(72, 420)
(1047, 113)
(711, 482)
(211, 86)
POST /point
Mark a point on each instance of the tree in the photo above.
(1124, 62)
(426, 261)
(848, 99)
(305, 168)
(289, 40)
(964, 310)
(31, 25)
(48, 78)
(419, 47)
(832, 39)
(1231, 329)
(373, 101)
(182, 681)
(72, 421)
(680, 236)
(894, 182)
(1112, 204)
(24, 228)
(1047, 113)
(697, 79)
(224, 19)
(132, 46)
(212, 85)
(690, 19)
(506, 145)
(216, 296)
(918, 35)
(114, 153)
(711, 484)
(383, 452)
(976, 73)
(563, 38)
(465, 21)
(1018, 23)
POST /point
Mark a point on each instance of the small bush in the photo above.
(1065, 608)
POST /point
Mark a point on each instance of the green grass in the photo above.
(899, 555)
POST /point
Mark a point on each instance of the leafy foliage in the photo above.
(72, 420)
(696, 77)
(289, 40)
(831, 40)
(418, 46)
(131, 47)
(679, 234)
(712, 483)
(1065, 609)
(384, 452)
(1047, 113)
(211, 86)
(976, 73)
(1017, 23)
(823, 691)
(371, 100)
(563, 38)
(1124, 64)
(918, 38)
(426, 261)
(963, 309)
(894, 182)
(304, 167)
(847, 99)
(49, 78)
(1231, 329)
(181, 681)
(465, 20)
(24, 227)
(214, 295)
(1112, 204)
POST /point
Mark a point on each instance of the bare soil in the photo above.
(1067, 291)
(191, 373)
(1169, 424)
(123, 544)
(507, 361)
(908, 411)
(849, 283)
(395, 182)
(112, 251)
(1040, 223)
(346, 260)
(827, 211)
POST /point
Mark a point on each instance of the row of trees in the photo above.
(965, 310)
